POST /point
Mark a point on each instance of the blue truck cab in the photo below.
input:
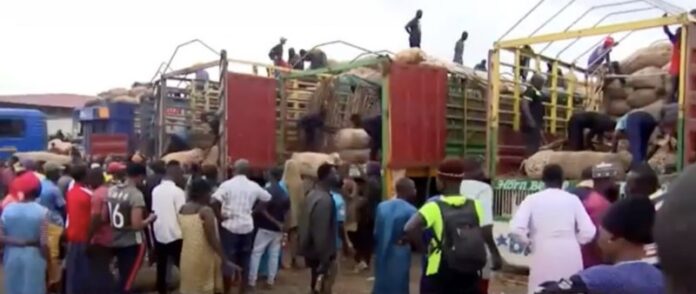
(107, 118)
(22, 130)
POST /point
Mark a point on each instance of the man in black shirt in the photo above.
(269, 219)
(598, 125)
(533, 115)
(276, 53)
(312, 126)
(414, 30)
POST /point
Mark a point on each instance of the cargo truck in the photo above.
(505, 150)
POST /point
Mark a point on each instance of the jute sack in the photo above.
(410, 56)
(665, 156)
(641, 97)
(138, 91)
(617, 107)
(212, 155)
(354, 156)
(309, 162)
(615, 91)
(293, 180)
(574, 162)
(114, 93)
(44, 156)
(650, 77)
(352, 139)
(187, 157)
(126, 99)
(58, 146)
(656, 55)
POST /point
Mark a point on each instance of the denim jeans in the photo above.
(264, 240)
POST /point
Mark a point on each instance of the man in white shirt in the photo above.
(236, 198)
(474, 187)
(167, 199)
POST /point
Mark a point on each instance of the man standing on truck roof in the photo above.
(601, 54)
(413, 29)
(295, 60)
(598, 125)
(276, 53)
(533, 115)
(459, 49)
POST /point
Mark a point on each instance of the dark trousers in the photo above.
(639, 127)
(165, 252)
(238, 248)
(451, 282)
(128, 260)
(576, 133)
(674, 97)
(363, 240)
(414, 41)
(532, 140)
(328, 272)
(77, 268)
(100, 276)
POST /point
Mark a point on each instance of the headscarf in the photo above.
(25, 183)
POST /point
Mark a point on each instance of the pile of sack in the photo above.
(132, 95)
(44, 156)
(574, 162)
(352, 145)
(647, 82)
(309, 162)
(195, 156)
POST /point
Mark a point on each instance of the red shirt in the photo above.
(78, 209)
(595, 205)
(102, 235)
(675, 61)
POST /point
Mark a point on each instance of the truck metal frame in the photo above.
(514, 45)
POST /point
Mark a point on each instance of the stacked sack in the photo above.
(353, 145)
(574, 162)
(133, 95)
(647, 81)
(309, 162)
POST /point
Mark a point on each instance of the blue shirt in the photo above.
(52, 198)
(635, 277)
(340, 206)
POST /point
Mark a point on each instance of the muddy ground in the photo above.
(296, 281)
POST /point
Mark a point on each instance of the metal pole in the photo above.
(587, 12)
(602, 20)
(552, 17)
(176, 50)
(521, 20)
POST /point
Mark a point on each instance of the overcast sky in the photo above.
(84, 47)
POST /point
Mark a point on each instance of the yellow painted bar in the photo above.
(571, 93)
(554, 97)
(516, 90)
(682, 68)
(493, 107)
(603, 30)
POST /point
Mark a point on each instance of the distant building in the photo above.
(57, 107)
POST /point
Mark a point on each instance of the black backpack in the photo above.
(462, 246)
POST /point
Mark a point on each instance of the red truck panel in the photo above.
(690, 97)
(251, 121)
(417, 100)
(108, 144)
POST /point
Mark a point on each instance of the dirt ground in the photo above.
(297, 281)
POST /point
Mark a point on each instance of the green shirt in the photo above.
(433, 220)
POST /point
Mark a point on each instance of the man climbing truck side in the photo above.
(533, 115)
